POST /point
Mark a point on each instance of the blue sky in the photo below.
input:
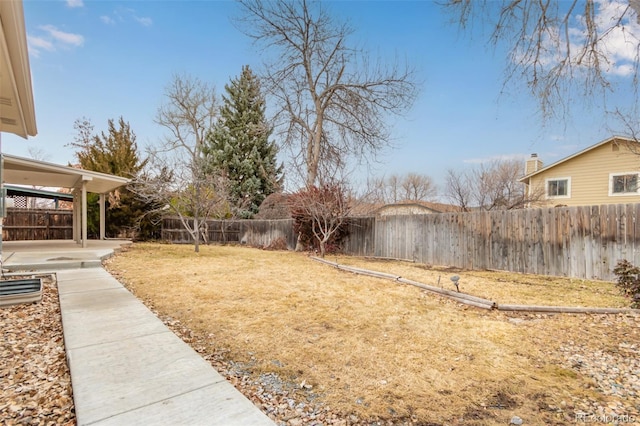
(106, 59)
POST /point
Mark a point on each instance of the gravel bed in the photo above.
(615, 373)
(36, 385)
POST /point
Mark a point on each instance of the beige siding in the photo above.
(590, 174)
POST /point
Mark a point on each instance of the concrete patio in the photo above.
(57, 254)
(126, 366)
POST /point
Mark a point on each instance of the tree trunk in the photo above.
(313, 154)
(299, 246)
(196, 236)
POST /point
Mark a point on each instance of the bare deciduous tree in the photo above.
(39, 154)
(332, 99)
(490, 186)
(458, 189)
(176, 179)
(559, 47)
(417, 187)
(396, 188)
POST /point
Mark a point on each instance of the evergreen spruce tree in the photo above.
(239, 146)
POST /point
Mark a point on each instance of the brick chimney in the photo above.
(533, 164)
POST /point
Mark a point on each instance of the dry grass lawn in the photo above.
(502, 287)
(378, 349)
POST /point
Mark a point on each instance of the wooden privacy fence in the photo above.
(37, 224)
(361, 237)
(580, 242)
(258, 233)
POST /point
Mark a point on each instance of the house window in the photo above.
(559, 188)
(623, 183)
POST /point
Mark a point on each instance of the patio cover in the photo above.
(23, 191)
(17, 111)
(25, 171)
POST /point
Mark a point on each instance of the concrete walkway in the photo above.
(127, 367)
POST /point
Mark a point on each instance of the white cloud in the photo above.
(37, 44)
(617, 46)
(40, 43)
(75, 3)
(147, 22)
(499, 157)
(122, 14)
(63, 37)
(52, 39)
(107, 20)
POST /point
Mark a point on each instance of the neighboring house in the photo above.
(32, 198)
(414, 207)
(605, 173)
(404, 209)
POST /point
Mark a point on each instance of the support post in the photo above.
(76, 217)
(103, 217)
(84, 214)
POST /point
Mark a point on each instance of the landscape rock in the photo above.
(36, 385)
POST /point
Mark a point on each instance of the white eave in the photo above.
(25, 171)
(17, 111)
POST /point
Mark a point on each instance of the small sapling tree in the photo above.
(628, 281)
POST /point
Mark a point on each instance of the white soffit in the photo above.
(17, 111)
(24, 171)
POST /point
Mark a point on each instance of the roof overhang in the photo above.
(395, 205)
(24, 171)
(17, 111)
(37, 193)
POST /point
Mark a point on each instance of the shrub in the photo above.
(275, 206)
(320, 217)
(628, 281)
(277, 244)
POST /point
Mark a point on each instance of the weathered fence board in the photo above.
(37, 224)
(258, 233)
(581, 242)
(361, 240)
